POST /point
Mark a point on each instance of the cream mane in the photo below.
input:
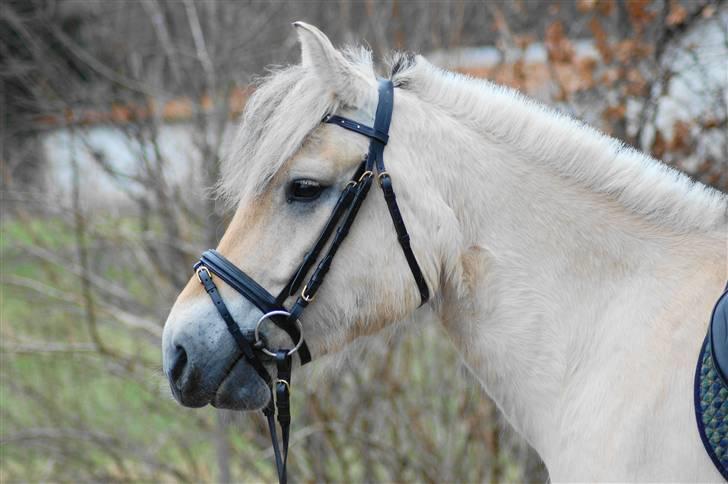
(571, 148)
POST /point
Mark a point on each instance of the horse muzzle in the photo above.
(206, 370)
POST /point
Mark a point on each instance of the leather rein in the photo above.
(252, 343)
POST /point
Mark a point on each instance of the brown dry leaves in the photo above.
(640, 14)
(558, 46)
(676, 15)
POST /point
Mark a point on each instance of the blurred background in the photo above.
(113, 118)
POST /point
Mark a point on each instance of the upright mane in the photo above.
(572, 149)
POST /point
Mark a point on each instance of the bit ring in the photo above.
(258, 341)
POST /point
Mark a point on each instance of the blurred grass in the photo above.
(70, 412)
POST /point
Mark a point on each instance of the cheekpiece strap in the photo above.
(379, 135)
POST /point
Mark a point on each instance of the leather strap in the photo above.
(381, 136)
(342, 204)
(243, 343)
(283, 408)
(317, 278)
(270, 416)
(385, 182)
(239, 280)
(375, 158)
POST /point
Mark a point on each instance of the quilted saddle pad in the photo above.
(711, 387)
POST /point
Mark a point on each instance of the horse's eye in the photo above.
(303, 190)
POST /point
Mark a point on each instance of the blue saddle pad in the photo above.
(711, 388)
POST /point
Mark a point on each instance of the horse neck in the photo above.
(558, 282)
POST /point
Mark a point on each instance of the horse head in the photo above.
(285, 175)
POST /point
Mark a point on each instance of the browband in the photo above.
(357, 127)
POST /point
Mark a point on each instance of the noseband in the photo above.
(252, 343)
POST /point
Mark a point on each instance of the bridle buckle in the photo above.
(380, 177)
(274, 393)
(286, 383)
(306, 297)
(200, 269)
(364, 175)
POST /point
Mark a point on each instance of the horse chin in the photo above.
(241, 389)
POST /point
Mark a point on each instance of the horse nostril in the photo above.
(179, 362)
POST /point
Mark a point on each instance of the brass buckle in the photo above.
(275, 393)
(364, 175)
(382, 175)
(200, 269)
(306, 298)
(288, 385)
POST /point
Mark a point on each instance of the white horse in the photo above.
(575, 275)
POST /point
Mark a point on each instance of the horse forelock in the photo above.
(279, 116)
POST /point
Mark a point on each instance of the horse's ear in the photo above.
(349, 82)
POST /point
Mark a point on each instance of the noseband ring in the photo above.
(260, 344)
(317, 261)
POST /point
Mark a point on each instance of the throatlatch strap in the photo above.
(385, 182)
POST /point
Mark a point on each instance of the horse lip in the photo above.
(241, 388)
(193, 403)
(198, 397)
(204, 393)
(225, 376)
(228, 371)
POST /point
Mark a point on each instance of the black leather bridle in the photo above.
(251, 343)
